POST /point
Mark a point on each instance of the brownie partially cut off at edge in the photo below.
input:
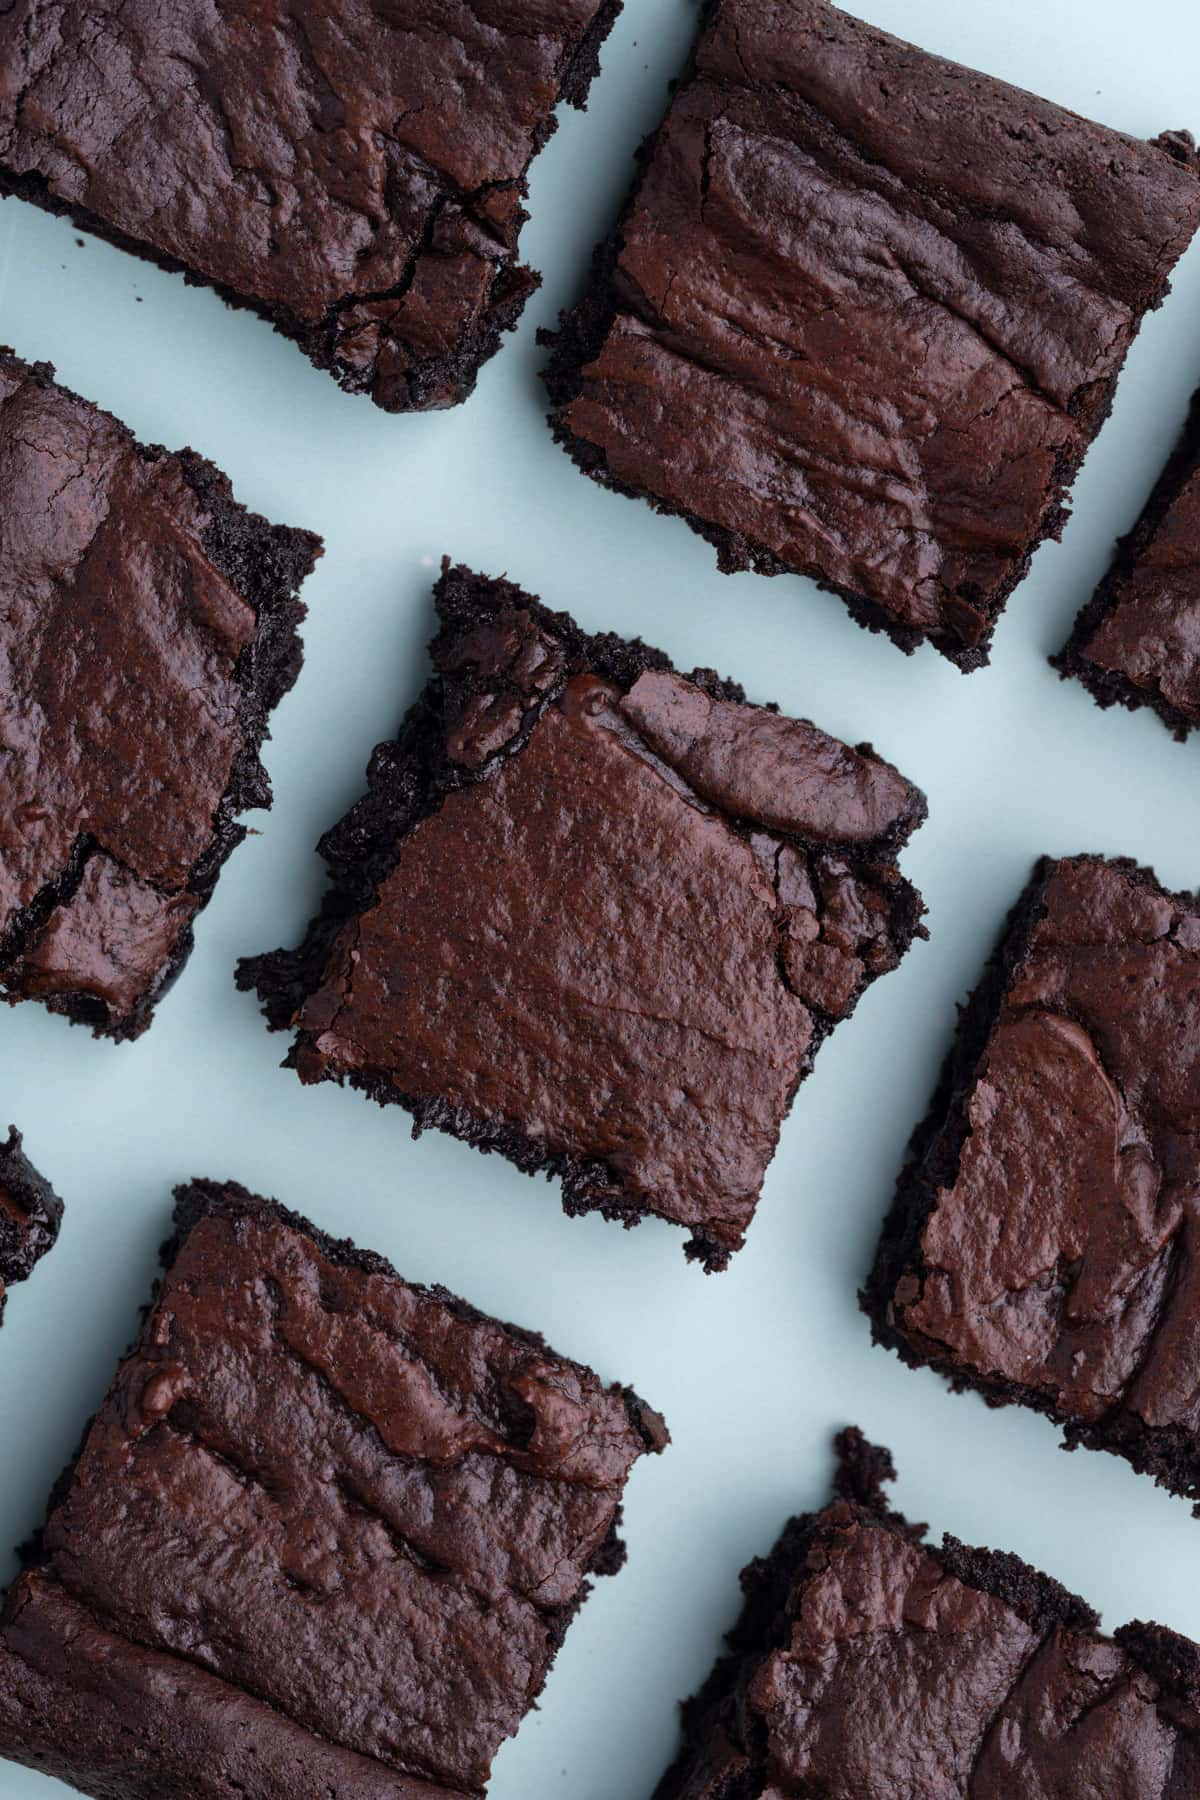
(864, 313)
(148, 627)
(1044, 1242)
(291, 158)
(323, 1538)
(30, 1215)
(867, 1665)
(597, 915)
(1137, 641)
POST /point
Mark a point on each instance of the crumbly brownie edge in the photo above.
(407, 780)
(583, 328)
(266, 564)
(768, 1584)
(23, 1246)
(1109, 687)
(1165, 1452)
(511, 289)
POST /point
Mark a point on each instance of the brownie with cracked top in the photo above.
(1137, 642)
(30, 1215)
(1044, 1243)
(598, 915)
(868, 1665)
(323, 1538)
(290, 157)
(864, 314)
(148, 627)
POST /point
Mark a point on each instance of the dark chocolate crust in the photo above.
(257, 566)
(649, 338)
(794, 1707)
(468, 727)
(375, 1510)
(30, 1215)
(377, 234)
(1135, 582)
(1096, 958)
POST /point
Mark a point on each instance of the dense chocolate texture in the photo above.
(597, 915)
(291, 158)
(869, 1666)
(1137, 642)
(323, 1538)
(30, 1215)
(1044, 1244)
(864, 314)
(148, 626)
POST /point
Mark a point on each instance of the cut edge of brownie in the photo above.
(266, 564)
(1111, 687)
(932, 1162)
(583, 328)
(768, 1583)
(24, 1242)
(512, 287)
(408, 778)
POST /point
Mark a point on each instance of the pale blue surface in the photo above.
(756, 1368)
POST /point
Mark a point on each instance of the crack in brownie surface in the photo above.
(1044, 1245)
(289, 156)
(864, 313)
(1137, 643)
(345, 1521)
(868, 1665)
(148, 627)
(598, 915)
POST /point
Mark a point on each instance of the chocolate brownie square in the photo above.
(30, 1215)
(597, 915)
(1137, 642)
(867, 1665)
(353, 173)
(148, 626)
(864, 314)
(324, 1536)
(1044, 1243)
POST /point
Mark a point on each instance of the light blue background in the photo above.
(754, 1369)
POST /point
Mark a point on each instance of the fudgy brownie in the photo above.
(30, 1215)
(1044, 1243)
(352, 173)
(597, 915)
(323, 1538)
(1137, 642)
(864, 314)
(147, 629)
(869, 1666)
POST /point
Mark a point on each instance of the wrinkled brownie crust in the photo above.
(153, 628)
(730, 995)
(866, 1665)
(30, 1215)
(1137, 641)
(843, 347)
(290, 160)
(1043, 1244)
(324, 1536)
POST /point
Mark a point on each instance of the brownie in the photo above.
(30, 1215)
(867, 1665)
(597, 915)
(1044, 1243)
(324, 1536)
(148, 626)
(864, 314)
(293, 159)
(1137, 642)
